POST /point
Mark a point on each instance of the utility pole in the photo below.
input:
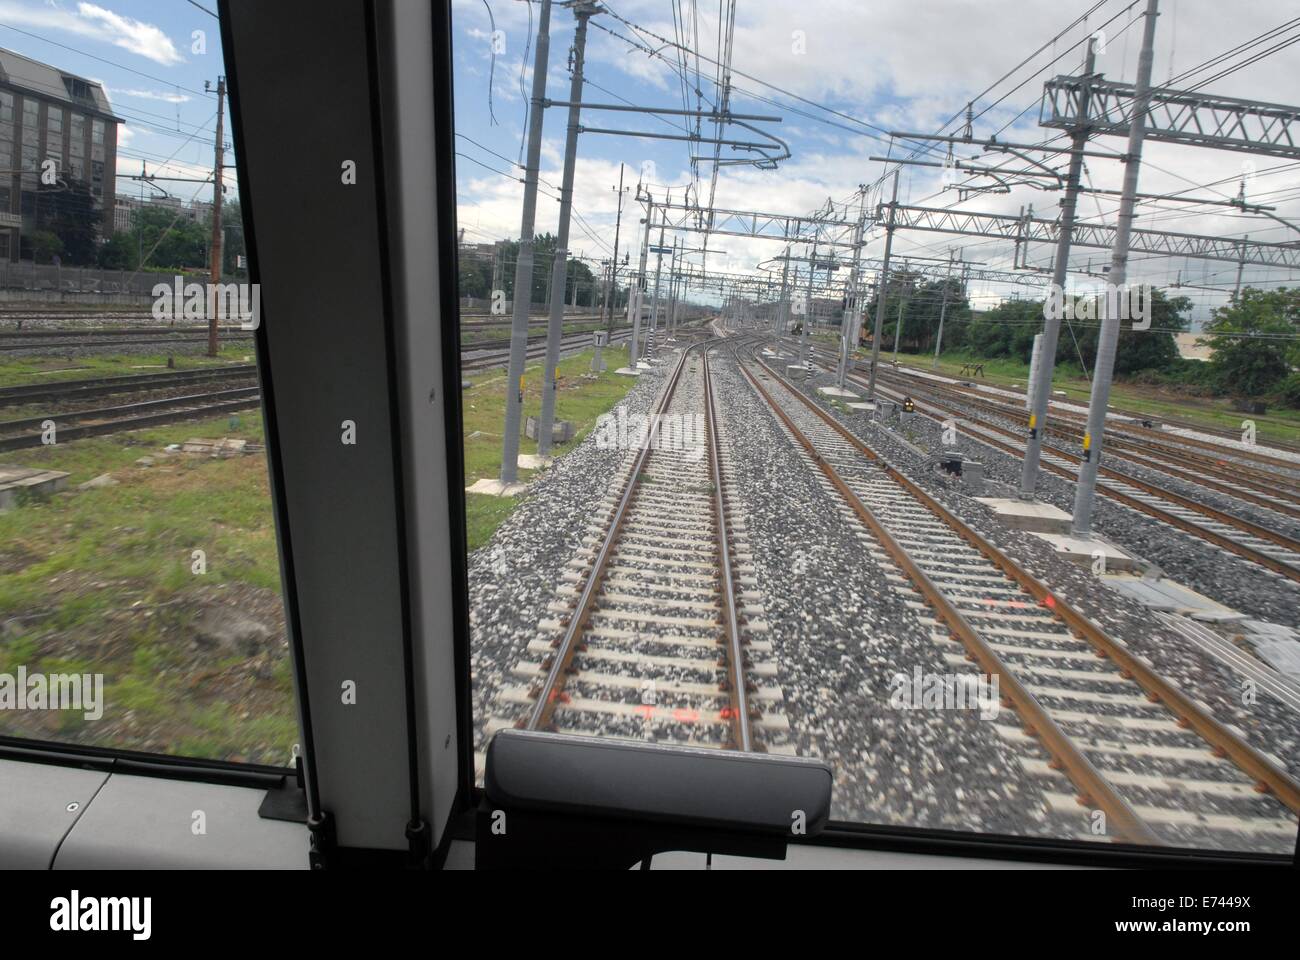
(217, 163)
(884, 289)
(524, 262)
(902, 306)
(1104, 367)
(778, 321)
(808, 308)
(1241, 264)
(943, 309)
(659, 262)
(850, 323)
(607, 315)
(635, 297)
(1040, 391)
(582, 11)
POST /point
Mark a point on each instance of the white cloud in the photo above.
(93, 22)
(166, 96)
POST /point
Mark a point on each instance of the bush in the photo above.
(1288, 394)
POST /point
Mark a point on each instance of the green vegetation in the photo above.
(476, 273)
(21, 371)
(1254, 343)
(101, 580)
(1135, 395)
(582, 398)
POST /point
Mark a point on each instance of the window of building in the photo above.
(77, 135)
(31, 121)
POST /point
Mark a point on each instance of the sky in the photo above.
(910, 65)
(882, 66)
(152, 59)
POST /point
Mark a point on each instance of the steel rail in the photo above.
(1227, 543)
(1269, 778)
(739, 692)
(73, 389)
(562, 660)
(1094, 789)
(132, 423)
(1246, 526)
(144, 406)
(1122, 435)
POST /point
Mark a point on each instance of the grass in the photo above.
(20, 371)
(581, 399)
(100, 581)
(1160, 402)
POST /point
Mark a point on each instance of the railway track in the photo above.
(30, 431)
(1095, 725)
(49, 340)
(657, 633)
(1258, 544)
(107, 386)
(1275, 489)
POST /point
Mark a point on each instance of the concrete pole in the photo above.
(943, 309)
(884, 289)
(524, 262)
(778, 320)
(1241, 263)
(637, 295)
(1040, 391)
(559, 268)
(1108, 340)
(808, 306)
(849, 322)
(611, 281)
(670, 319)
(902, 302)
(659, 263)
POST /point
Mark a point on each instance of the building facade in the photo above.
(49, 115)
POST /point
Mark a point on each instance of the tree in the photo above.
(1252, 340)
(68, 212)
(46, 245)
(177, 242)
(118, 253)
(1151, 349)
(232, 240)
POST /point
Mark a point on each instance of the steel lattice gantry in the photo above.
(1175, 116)
(787, 228)
(1100, 236)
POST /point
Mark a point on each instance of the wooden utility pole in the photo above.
(213, 346)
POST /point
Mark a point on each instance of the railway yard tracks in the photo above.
(655, 630)
(1097, 726)
(1256, 542)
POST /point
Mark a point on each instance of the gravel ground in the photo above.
(841, 636)
(514, 576)
(1217, 574)
(1267, 724)
(1254, 513)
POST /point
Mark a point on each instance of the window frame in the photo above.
(394, 36)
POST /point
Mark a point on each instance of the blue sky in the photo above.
(910, 64)
(895, 64)
(149, 60)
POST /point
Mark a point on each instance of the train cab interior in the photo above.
(345, 131)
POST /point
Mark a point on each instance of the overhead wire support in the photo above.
(1108, 339)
